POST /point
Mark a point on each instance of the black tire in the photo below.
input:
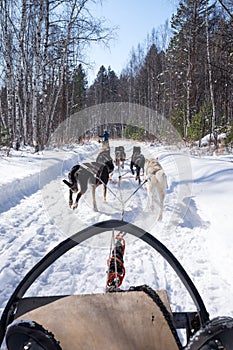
(216, 335)
(30, 335)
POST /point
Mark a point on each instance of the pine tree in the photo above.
(101, 84)
(79, 89)
(187, 44)
(105, 87)
(113, 86)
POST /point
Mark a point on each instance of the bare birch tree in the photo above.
(7, 49)
(39, 40)
(213, 119)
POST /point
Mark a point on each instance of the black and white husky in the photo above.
(94, 173)
(156, 185)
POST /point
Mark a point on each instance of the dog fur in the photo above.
(156, 185)
(138, 162)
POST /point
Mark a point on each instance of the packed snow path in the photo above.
(196, 227)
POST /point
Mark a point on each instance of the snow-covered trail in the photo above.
(190, 229)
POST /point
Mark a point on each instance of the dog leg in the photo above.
(162, 198)
(111, 181)
(161, 193)
(93, 187)
(76, 201)
(131, 167)
(75, 205)
(150, 195)
(138, 174)
(70, 198)
(160, 217)
(104, 192)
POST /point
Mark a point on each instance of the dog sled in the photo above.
(137, 318)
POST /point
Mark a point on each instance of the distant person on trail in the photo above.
(105, 137)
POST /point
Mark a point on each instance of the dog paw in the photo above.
(160, 218)
(70, 204)
(75, 206)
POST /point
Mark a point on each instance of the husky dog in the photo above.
(156, 185)
(120, 156)
(82, 174)
(95, 173)
(137, 161)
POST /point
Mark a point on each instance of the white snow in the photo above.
(196, 227)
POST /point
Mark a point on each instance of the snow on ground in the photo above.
(196, 226)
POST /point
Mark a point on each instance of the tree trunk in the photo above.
(213, 119)
(188, 87)
(9, 72)
(35, 88)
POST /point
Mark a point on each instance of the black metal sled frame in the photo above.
(17, 305)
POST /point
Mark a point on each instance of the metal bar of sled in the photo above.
(63, 247)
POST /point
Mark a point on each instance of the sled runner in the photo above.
(137, 318)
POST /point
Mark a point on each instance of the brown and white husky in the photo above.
(156, 185)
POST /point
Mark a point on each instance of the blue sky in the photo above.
(135, 19)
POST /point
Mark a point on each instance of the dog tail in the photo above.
(67, 183)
